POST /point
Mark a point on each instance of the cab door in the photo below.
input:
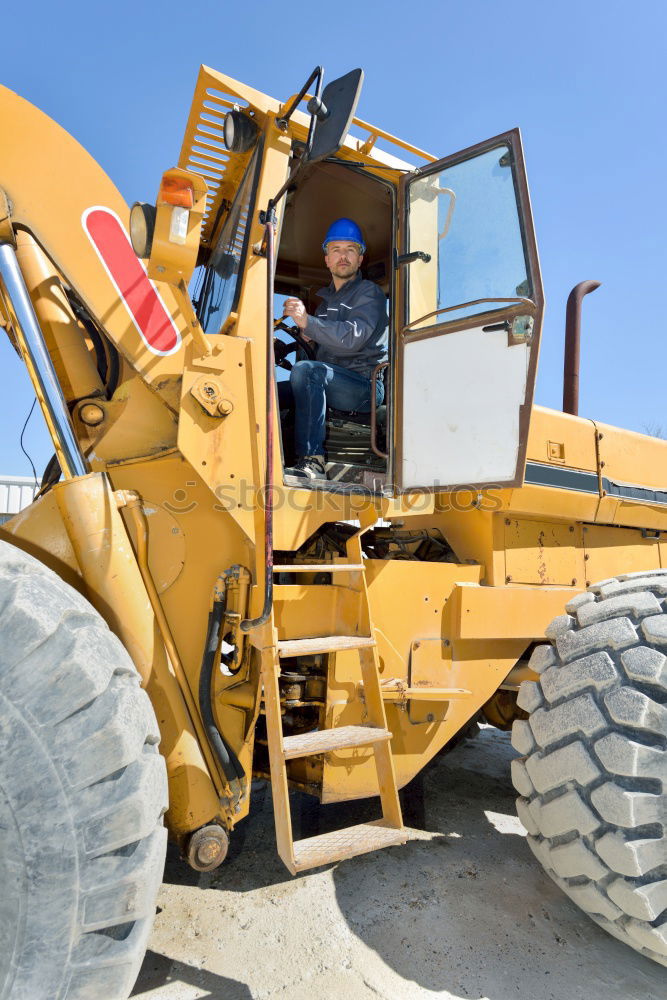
(470, 315)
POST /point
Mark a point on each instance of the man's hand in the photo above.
(295, 309)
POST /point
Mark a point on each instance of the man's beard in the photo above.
(344, 271)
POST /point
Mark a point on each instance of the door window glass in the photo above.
(466, 218)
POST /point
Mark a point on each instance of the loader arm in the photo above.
(52, 184)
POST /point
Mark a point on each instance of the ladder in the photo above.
(365, 837)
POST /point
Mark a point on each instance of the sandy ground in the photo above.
(461, 911)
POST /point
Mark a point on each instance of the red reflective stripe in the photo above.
(144, 303)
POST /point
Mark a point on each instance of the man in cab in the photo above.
(349, 332)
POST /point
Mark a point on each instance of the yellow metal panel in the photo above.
(224, 449)
(136, 424)
(115, 587)
(409, 599)
(628, 461)
(640, 515)
(549, 502)
(633, 458)
(423, 280)
(39, 530)
(167, 552)
(300, 512)
(507, 612)
(478, 666)
(611, 550)
(541, 552)
(430, 663)
(214, 542)
(303, 610)
(561, 439)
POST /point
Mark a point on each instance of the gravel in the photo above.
(463, 910)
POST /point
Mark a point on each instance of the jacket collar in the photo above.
(330, 289)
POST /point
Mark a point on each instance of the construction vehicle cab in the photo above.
(355, 442)
(331, 638)
(451, 245)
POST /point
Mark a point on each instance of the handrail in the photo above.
(378, 133)
(374, 376)
(515, 300)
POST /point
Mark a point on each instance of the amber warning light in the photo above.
(177, 191)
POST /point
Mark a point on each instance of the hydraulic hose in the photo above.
(51, 474)
(229, 762)
(106, 357)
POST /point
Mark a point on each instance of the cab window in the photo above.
(218, 284)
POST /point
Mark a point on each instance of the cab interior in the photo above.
(324, 192)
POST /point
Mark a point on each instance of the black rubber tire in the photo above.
(593, 776)
(82, 794)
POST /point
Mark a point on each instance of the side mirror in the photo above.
(334, 114)
(331, 115)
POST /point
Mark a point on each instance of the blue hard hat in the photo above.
(344, 229)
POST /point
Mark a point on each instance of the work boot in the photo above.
(310, 467)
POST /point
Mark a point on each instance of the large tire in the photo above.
(593, 776)
(82, 794)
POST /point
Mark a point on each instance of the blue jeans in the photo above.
(314, 385)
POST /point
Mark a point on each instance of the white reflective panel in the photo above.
(178, 227)
(462, 394)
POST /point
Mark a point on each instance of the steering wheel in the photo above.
(281, 350)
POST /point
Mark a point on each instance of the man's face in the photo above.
(343, 258)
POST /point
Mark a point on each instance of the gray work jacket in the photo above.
(349, 326)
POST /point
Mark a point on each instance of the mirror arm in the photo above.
(271, 207)
(317, 74)
(317, 112)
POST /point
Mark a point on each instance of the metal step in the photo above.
(323, 644)
(320, 568)
(393, 690)
(327, 740)
(341, 844)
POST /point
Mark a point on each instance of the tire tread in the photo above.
(73, 686)
(597, 757)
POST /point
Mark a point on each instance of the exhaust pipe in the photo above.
(573, 345)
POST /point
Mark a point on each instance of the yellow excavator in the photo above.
(179, 619)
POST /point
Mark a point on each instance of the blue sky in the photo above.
(584, 81)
